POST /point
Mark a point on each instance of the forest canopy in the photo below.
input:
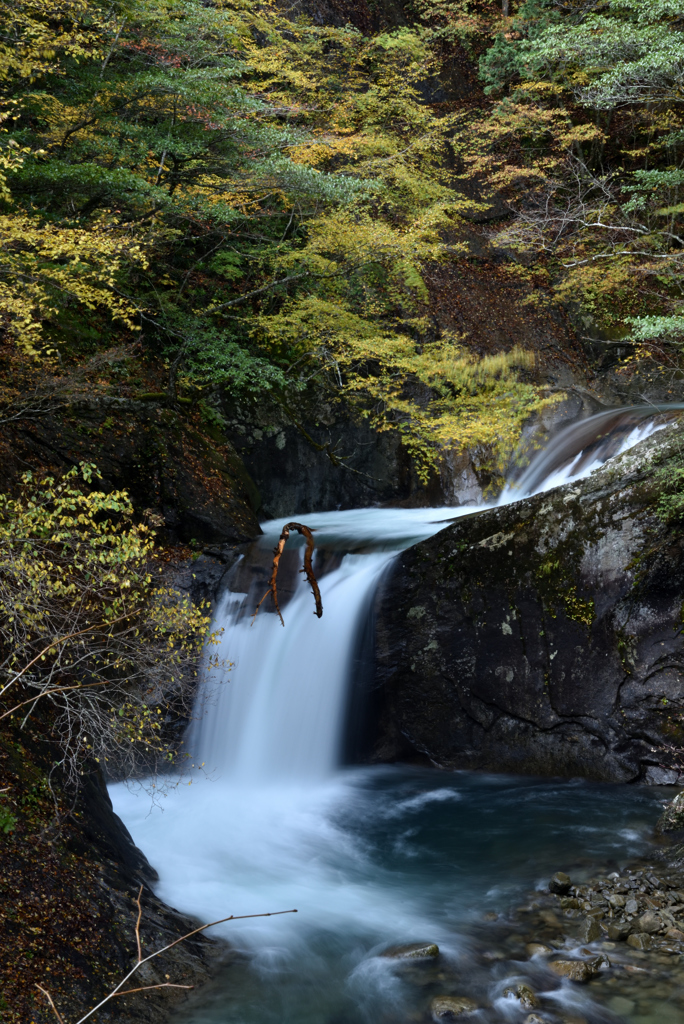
(254, 199)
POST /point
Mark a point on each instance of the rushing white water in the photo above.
(272, 822)
(277, 715)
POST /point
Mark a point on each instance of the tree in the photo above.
(189, 173)
(89, 624)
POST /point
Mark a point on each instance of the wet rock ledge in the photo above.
(543, 637)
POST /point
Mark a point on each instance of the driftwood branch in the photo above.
(308, 569)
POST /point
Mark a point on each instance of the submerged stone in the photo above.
(574, 970)
(412, 951)
(447, 1008)
(524, 994)
(537, 949)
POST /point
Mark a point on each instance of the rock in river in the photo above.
(448, 1008)
(560, 883)
(412, 951)
(575, 970)
(524, 995)
(589, 930)
(537, 949)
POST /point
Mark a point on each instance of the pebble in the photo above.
(639, 940)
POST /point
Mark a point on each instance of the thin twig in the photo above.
(146, 988)
(50, 1000)
(58, 689)
(56, 643)
(308, 569)
(137, 924)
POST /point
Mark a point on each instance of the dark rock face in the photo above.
(324, 458)
(543, 637)
(70, 878)
(200, 488)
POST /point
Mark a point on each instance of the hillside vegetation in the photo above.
(234, 196)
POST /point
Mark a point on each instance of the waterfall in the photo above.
(278, 712)
(271, 820)
(278, 709)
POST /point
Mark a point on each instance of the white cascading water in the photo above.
(275, 720)
(271, 820)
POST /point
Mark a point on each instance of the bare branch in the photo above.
(146, 988)
(56, 643)
(233, 917)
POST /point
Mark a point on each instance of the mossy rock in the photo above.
(544, 636)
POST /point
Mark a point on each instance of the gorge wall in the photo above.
(543, 637)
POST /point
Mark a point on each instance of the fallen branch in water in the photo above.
(308, 569)
(120, 991)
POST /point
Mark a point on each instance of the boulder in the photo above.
(544, 636)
